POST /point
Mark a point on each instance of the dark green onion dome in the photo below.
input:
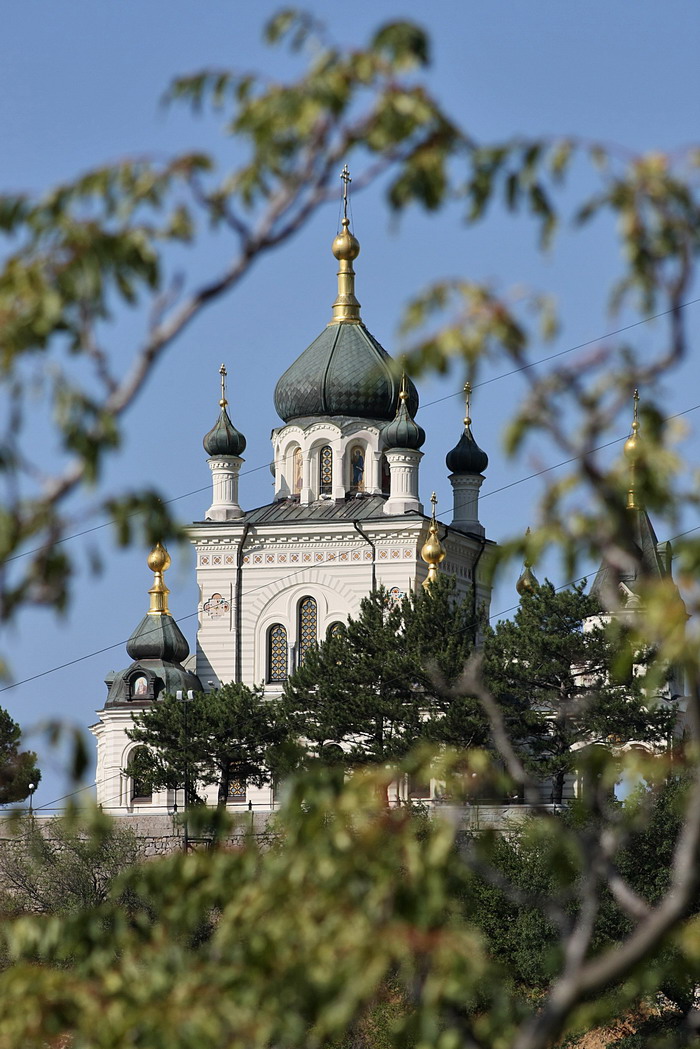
(344, 371)
(402, 431)
(158, 637)
(467, 457)
(224, 438)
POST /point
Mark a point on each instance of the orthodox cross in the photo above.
(222, 372)
(635, 424)
(345, 176)
(433, 500)
(467, 398)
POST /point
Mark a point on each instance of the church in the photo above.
(274, 580)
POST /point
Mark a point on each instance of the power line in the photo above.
(428, 404)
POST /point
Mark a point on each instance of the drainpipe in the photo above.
(239, 593)
(482, 540)
(374, 554)
(474, 568)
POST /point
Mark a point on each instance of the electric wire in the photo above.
(428, 404)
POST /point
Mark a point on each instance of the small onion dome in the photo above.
(402, 431)
(224, 438)
(432, 551)
(467, 457)
(528, 581)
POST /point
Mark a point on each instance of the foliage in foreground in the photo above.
(358, 912)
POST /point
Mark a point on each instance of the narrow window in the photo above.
(141, 789)
(277, 653)
(386, 477)
(325, 466)
(236, 786)
(308, 617)
(335, 630)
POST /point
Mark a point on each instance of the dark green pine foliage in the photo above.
(233, 733)
(18, 768)
(573, 687)
(382, 685)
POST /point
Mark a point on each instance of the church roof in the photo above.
(650, 559)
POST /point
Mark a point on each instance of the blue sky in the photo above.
(80, 84)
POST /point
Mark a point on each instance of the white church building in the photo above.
(274, 580)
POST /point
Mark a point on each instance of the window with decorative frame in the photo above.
(325, 470)
(277, 653)
(335, 630)
(308, 626)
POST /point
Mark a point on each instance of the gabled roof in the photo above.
(650, 560)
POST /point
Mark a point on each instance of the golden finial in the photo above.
(159, 562)
(223, 373)
(632, 450)
(346, 248)
(433, 552)
(528, 581)
(467, 401)
(403, 393)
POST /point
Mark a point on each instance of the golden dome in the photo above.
(432, 551)
(159, 558)
(346, 247)
(159, 562)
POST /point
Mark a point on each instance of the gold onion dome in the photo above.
(345, 371)
(402, 431)
(432, 552)
(528, 581)
(224, 439)
(467, 457)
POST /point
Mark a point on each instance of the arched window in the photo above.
(297, 469)
(308, 619)
(335, 630)
(277, 653)
(141, 789)
(325, 470)
(357, 468)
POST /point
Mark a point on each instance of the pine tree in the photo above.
(18, 768)
(371, 692)
(232, 733)
(560, 667)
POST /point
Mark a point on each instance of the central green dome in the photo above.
(345, 371)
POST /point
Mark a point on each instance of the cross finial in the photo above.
(433, 500)
(345, 176)
(222, 372)
(403, 393)
(467, 399)
(635, 423)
